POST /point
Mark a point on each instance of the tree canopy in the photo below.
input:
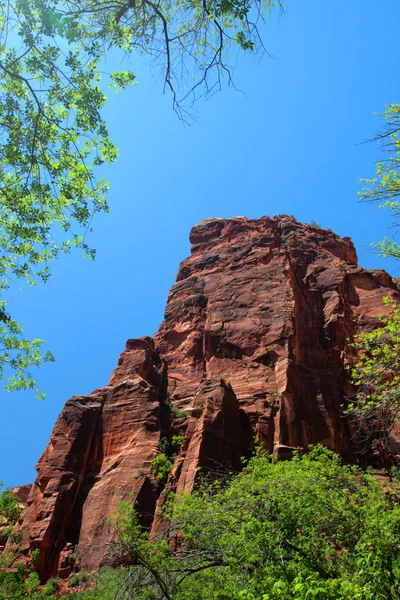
(300, 529)
(384, 188)
(53, 136)
(375, 407)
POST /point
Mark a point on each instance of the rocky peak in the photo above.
(252, 344)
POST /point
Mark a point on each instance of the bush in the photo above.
(315, 224)
(170, 446)
(290, 530)
(78, 579)
(17, 581)
(309, 527)
(9, 513)
(176, 442)
(53, 584)
(109, 585)
(177, 412)
(161, 468)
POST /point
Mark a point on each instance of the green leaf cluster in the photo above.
(9, 513)
(376, 374)
(189, 41)
(384, 188)
(292, 530)
(19, 582)
(161, 467)
(52, 136)
(17, 578)
(170, 446)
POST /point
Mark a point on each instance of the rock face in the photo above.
(252, 344)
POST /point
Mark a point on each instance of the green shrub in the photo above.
(287, 530)
(177, 412)
(163, 445)
(309, 528)
(176, 442)
(9, 513)
(53, 584)
(19, 582)
(161, 468)
(170, 446)
(109, 584)
(79, 579)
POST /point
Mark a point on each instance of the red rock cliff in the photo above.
(252, 343)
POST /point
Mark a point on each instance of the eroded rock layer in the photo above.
(253, 343)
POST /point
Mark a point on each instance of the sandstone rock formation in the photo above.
(252, 343)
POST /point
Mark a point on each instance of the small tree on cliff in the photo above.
(52, 134)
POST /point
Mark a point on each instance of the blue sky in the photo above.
(289, 144)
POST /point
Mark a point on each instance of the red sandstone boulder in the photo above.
(252, 344)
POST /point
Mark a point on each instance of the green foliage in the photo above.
(109, 584)
(300, 529)
(171, 446)
(376, 374)
(9, 513)
(176, 442)
(177, 412)
(19, 581)
(161, 467)
(19, 355)
(54, 583)
(164, 445)
(192, 40)
(53, 136)
(385, 187)
(310, 518)
(78, 579)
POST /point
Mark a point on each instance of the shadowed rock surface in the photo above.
(253, 343)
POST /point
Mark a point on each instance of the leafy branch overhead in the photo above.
(384, 188)
(189, 41)
(53, 135)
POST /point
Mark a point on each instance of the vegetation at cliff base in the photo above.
(9, 513)
(18, 579)
(292, 530)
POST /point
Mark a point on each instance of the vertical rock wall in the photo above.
(252, 343)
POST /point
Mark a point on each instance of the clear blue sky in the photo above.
(289, 145)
